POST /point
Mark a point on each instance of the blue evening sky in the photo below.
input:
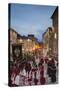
(31, 19)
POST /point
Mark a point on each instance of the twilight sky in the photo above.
(31, 19)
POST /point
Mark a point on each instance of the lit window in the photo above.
(49, 48)
(22, 49)
(28, 40)
(55, 36)
(21, 40)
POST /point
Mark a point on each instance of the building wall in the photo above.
(48, 39)
(51, 35)
(55, 26)
(27, 44)
(51, 40)
(13, 38)
(45, 43)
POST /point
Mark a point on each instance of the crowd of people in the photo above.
(44, 72)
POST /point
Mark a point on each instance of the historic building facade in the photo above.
(48, 42)
(12, 40)
(54, 18)
(29, 43)
(50, 37)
